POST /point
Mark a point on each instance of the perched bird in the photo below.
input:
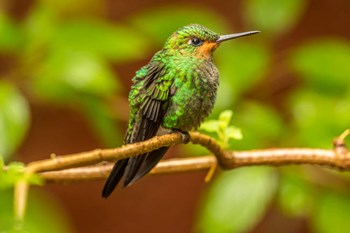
(175, 91)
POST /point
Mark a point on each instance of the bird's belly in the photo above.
(188, 108)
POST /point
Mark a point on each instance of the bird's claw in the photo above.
(185, 136)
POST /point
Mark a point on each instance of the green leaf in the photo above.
(15, 173)
(237, 200)
(241, 66)
(311, 110)
(233, 132)
(225, 118)
(211, 126)
(14, 119)
(12, 175)
(332, 213)
(115, 42)
(34, 179)
(11, 38)
(66, 74)
(324, 65)
(274, 16)
(221, 128)
(159, 23)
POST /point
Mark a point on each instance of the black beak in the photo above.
(235, 35)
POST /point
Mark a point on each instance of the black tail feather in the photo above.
(134, 165)
(150, 162)
(114, 177)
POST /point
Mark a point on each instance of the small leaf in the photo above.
(273, 16)
(225, 118)
(14, 119)
(211, 126)
(221, 128)
(13, 174)
(233, 132)
(34, 179)
(237, 200)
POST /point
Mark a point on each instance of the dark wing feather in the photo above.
(150, 162)
(151, 113)
(114, 177)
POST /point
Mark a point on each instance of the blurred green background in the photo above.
(66, 69)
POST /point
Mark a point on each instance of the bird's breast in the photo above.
(193, 98)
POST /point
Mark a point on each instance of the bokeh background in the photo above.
(66, 69)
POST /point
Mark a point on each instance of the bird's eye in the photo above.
(195, 41)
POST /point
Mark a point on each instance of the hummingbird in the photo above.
(174, 92)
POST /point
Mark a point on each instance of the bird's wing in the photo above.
(148, 98)
(149, 104)
(154, 96)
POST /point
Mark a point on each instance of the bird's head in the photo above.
(197, 41)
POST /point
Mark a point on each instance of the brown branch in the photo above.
(125, 151)
(338, 158)
(98, 155)
(101, 170)
(270, 157)
(55, 169)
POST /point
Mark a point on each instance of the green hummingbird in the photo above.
(175, 91)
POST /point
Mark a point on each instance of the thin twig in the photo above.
(102, 170)
(92, 157)
(20, 199)
(270, 157)
(51, 169)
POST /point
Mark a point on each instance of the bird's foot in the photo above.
(184, 135)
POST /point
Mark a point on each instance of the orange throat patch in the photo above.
(206, 50)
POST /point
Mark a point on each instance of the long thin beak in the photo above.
(235, 35)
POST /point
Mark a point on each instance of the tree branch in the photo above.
(339, 158)
(102, 170)
(92, 157)
(270, 157)
(77, 167)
